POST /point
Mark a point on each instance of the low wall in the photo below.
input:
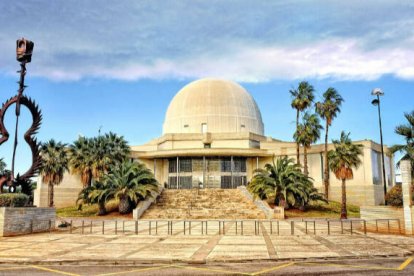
(144, 205)
(25, 220)
(277, 213)
(377, 218)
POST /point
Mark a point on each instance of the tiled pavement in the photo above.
(196, 248)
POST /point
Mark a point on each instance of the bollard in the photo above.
(271, 228)
(202, 227)
(116, 227)
(365, 227)
(342, 227)
(136, 227)
(292, 227)
(314, 227)
(103, 227)
(329, 227)
(90, 230)
(149, 227)
(278, 228)
(83, 226)
(306, 227)
(70, 229)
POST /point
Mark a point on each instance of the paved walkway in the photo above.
(196, 248)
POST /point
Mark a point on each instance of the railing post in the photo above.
(83, 226)
(136, 227)
(156, 227)
(399, 226)
(202, 227)
(365, 227)
(184, 227)
(123, 227)
(236, 227)
(342, 227)
(329, 227)
(90, 231)
(314, 227)
(271, 227)
(376, 225)
(31, 226)
(149, 227)
(189, 227)
(116, 227)
(241, 227)
(352, 228)
(206, 228)
(224, 228)
(278, 228)
(70, 227)
(292, 227)
(306, 227)
(50, 226)
(103, 227)
(388, 221)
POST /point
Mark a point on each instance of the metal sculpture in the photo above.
(24, 50)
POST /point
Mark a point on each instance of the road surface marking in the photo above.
(405, 264)
(54, 270)
(272, 268)
(135, 270)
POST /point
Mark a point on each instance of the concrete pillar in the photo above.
(405, 167)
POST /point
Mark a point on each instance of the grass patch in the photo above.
(90, 211)
(323, 210)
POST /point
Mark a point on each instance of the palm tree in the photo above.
(54, 165)
(92, 157)
(341, 161)
(98, 193)
(130, 182)
(406, 131)
(81, 159)
(284, 182)
(2, 166)
(328, 110)
(302, 98)
(307, 133)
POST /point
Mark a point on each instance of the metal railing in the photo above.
(239, 227)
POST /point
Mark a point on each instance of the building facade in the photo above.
(213, 137)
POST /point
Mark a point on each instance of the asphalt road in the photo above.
(377, 267)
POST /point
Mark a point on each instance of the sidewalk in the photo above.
(63, 247)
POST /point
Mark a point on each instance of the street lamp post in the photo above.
(378, 92)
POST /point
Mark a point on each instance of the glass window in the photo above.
(172, 165)
(172, 182)
(226, 164)
(203, 128)
(376, 167)
(186, 182)
(226, 182)
(185, 165)
(239, 164)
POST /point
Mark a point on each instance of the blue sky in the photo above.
(116, 65)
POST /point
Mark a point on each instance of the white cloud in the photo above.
(337, 59)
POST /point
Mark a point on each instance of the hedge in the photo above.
(13, 200)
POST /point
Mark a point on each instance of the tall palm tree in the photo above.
(328, 109)
(81, 159)
(407, 132)
(342, 159)
(307, 133)
(92, 157)
(54, 165)
(130, 182)
(302, 98)
(284, 182)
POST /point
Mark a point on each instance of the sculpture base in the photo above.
(16, 221)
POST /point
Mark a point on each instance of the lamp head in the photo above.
(377, 92)
(375, 102)
(24, 50)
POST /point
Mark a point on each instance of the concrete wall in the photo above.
(65, 194)
(25, 220)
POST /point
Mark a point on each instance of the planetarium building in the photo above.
(213, 137)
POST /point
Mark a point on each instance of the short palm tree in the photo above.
(328, 109)
(98, 193)
(284, 182)
(407, 132)
(130, 182)
(307, 133)
(342, 159)
(302, 98)
(54, 165)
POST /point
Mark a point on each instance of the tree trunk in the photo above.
(344, 214)
(297, 143)
(51, 195)
(124, 205)
(305, 160)
(102, 208)
(326, 168)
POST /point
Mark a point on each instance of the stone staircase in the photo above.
(203, 204)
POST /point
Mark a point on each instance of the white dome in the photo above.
(211, 105)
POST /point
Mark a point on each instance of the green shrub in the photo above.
(394, 196)
(13, 200)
